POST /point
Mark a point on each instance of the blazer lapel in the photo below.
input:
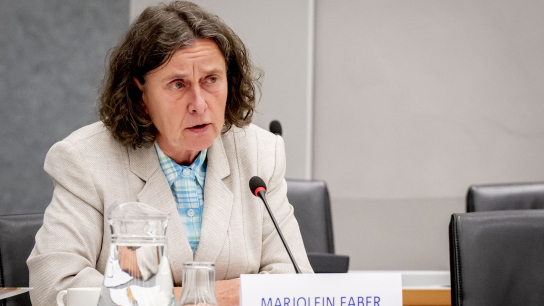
(156, 192)
(218, 200)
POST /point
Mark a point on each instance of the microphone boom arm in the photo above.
(263, 197)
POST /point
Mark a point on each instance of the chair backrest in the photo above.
(310, 200)
(497, 258)
(505, 197)
(17, 234)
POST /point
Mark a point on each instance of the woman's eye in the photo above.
(178, 85)
(212, 79)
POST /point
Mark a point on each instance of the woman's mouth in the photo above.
(199, 128)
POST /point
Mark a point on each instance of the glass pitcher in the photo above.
(198, 284)
(137, 272)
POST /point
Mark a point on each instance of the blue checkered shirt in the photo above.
(187, 185)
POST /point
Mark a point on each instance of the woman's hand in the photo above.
(227, 292)
(177, 293)
(129, 262)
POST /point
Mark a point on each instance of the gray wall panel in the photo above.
(414, 101)
(379, 234)
(51, 62)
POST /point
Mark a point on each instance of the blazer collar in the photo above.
(217, 158)
(143, 161)
(156, 192)
(218, 200)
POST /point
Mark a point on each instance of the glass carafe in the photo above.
(198, 284)
(137, 272)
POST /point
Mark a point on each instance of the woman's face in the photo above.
(186, 99)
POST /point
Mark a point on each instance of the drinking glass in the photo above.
(198, 284)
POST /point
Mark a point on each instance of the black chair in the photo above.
(17, 233)
(310, 200)
(505, 197)
(497, 258)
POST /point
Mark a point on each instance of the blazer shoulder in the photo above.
(253, 132)
(89, 134)
(255, 150)
(92, 142)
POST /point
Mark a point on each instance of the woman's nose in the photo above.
(197, 103)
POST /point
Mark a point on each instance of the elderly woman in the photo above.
(175, 133)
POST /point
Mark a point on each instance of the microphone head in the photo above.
(256, 184)
(275, 127)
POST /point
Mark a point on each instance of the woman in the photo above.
(175, 133)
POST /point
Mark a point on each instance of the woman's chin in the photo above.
(200, 143)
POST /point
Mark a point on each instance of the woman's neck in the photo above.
(178, 154)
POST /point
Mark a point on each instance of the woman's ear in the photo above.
(140, 85)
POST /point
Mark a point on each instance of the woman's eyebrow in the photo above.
(214, 71)
(175, 76)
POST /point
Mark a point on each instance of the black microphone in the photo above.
(258, 188)
(275, 127)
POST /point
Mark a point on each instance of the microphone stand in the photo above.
(263, 197)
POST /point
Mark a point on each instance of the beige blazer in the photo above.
(91, 171)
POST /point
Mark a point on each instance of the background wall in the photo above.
(415, 101)
(51, 63)
(279, 35)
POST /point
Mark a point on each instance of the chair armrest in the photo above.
(328, 263)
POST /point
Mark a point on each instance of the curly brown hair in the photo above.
(151, 41)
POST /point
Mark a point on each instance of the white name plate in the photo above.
(360, 289)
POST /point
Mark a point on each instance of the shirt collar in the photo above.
(171, 169)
